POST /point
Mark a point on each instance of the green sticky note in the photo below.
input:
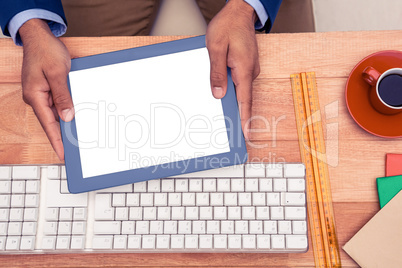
(387, 188)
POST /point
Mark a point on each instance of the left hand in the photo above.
(231, 42)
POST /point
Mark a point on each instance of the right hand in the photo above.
(45, 67)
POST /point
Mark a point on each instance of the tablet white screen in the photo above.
(147, 112)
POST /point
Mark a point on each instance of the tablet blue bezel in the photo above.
(237, 145)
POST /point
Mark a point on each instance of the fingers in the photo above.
(61, 96)
(46, 117)
(244, 98)
(218, 76)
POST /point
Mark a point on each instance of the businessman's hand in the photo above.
(231, 42)
(45, 67)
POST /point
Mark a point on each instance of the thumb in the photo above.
(62, 98)
(218, 76)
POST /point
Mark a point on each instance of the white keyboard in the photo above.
(248, 208)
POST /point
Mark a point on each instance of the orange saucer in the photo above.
(357, 96)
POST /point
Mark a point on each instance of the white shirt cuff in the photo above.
(261, 13)
(55, 22)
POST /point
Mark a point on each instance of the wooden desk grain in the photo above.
(357, 157)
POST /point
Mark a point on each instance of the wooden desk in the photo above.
(357, 157)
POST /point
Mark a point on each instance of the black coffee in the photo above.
(390, 90)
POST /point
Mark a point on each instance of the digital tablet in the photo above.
(146, 113)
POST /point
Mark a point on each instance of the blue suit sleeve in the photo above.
(271, 7)
(9, 8)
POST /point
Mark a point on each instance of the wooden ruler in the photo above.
(313, 154)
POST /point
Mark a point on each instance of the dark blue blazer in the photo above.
(9, 8)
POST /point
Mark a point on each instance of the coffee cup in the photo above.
(386, 89)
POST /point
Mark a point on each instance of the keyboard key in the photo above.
(265, 185)
(280, 185)
(227, 227)
(50, 228)
(220, 213)
(13, 243)
(258, 199)
(177, 241)
(29, 228)
(163, 213)
(170, 227)
(63, 242)
(192, 213)
(27, 243)
(255, 227)
(18, 187)
(213, 227)
(25, 172)
(209, 185)
(52, 214)
(161, 199)
(17, 200)
(128, 227)
(102, 242)
(32, 187)
(234, 213)
(251, 185)
(178, 213)
(241, 227)
(270, 227)
(103, 209)
(234, 241)
(184, 227)
(5, 173)
(230, 199)
(223, 185)
(77, 242)
(142, 227)
(167, 185)
(188, 199)
(66, 214)
(274, 170)
(299, 227)
(254, 170)
(5, 187)
(80, 214)
(146, 199)
(30, 214)
(206, 213)
(133, 200)
(154, 186)
(4, 214)
(63, 174)
(220, 241)
(216, 199)
(140, 187)
(199, 227)
(148, 241)
(156, 227)
(48, 242)
(64, 228)
(295, 213)
(120, 242)
(150, 213)
(294, 170)
(202, 199)
(278, 241)
(296, 241)
(181, 185)
(248, 213)
(262, 213)
(277, 213)
(249, 242)
(284, 227)
(237, 185)
(263, 241)
(119, 200)
(78, 228)
(273, 199)
(31, 200)
(53, 172)
(4, 200)
(108, 227)
(195, 185)
(134, 242)
(205, 241)
(293, 199)
(244, 199)
(191, 241)
(16, 214)
(174, 199)
(64, 187)
(163, 242)
(121, 213)
(14, 228)
(2, 243)
(296, 185)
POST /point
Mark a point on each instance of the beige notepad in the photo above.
(379, 242)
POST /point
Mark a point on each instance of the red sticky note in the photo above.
(393, 165)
